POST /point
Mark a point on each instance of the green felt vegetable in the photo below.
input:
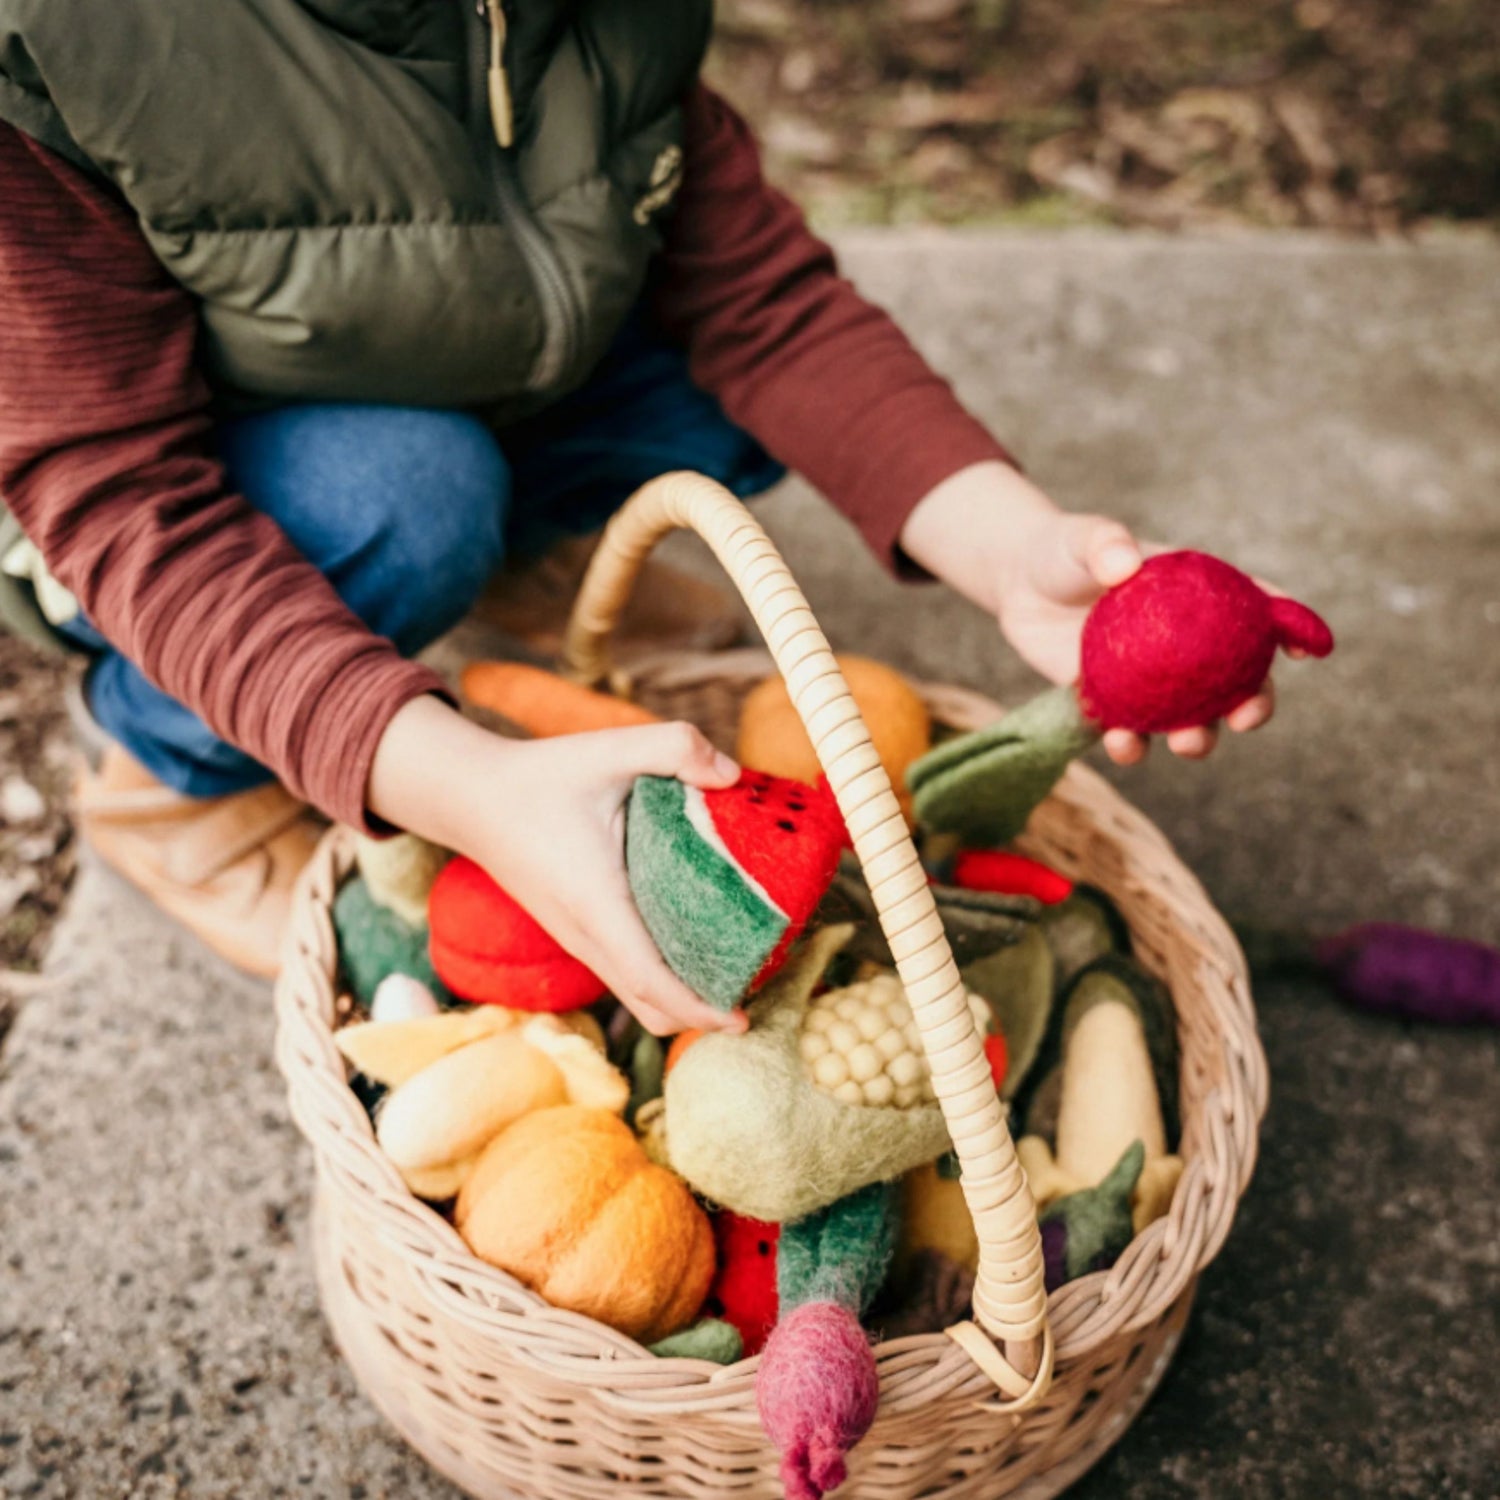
(647, 1069)
(976, 922)
(841, 1253)
(747, 1127)
(1081, 929)
(375, 942)
(985, 785)
(1017, 983)
(709, 1338)
(1088, 1231)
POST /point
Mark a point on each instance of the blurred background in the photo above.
(1371, 116)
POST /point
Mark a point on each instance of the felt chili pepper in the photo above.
(1010, 875)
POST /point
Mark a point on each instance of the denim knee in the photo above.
(402, 509)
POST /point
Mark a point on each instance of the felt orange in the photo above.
(772, 737)
(566, 1201)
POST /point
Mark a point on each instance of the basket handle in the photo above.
(1010, 1301)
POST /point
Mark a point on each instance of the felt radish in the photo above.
(817, 1387)
(488, 948)
(725, 880)
(1182, 642)
(1394, 970)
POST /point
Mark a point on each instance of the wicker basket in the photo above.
(510, 1397)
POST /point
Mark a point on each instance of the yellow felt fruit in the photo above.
(435, 1125)
(566, 1201)
(391, 1052)
(773, 739)
(935, 1216)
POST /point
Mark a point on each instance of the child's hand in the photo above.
(546, 818)
(998, 540)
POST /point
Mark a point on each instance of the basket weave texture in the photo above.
(511, 1397)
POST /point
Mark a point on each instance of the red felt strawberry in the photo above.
(487, 947)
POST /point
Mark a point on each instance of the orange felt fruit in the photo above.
(566, 1201)
(772, 737)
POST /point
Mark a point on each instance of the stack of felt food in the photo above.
(789, 1192)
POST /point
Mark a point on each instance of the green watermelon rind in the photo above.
(712, 927)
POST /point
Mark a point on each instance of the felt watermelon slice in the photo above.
(726, 880)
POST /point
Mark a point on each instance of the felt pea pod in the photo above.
(1182, 642)
(709, 1338)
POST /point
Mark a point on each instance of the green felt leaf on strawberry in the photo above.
(726, 880)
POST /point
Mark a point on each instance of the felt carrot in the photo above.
(544, 704)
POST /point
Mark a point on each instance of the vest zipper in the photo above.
(493, 122)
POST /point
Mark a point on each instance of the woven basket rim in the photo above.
(1157, 1269)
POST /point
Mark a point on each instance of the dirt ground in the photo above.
(36, 840)
(1372, 116)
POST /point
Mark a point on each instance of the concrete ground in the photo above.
(1325, 414)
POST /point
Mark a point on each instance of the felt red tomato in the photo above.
(488, 948)
(1184, 641)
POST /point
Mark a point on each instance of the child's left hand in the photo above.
(989, 533)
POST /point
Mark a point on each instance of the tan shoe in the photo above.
(668, 608)
(223, 866)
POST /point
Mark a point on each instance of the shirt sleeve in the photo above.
(822, 378)
(107, 461)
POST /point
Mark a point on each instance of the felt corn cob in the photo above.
(861, 1044)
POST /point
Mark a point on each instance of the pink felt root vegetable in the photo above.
(1184, 641)
(817, 1390)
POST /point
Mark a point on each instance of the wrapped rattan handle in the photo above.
(1009, 1295)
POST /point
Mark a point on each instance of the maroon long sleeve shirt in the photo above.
(108, 463)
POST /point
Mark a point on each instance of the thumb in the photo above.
(679, 750)
(1106, 549)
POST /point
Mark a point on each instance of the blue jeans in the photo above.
(408, 512)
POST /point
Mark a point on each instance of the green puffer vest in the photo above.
(324, 175)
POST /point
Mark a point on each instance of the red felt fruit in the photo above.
(744, 1290)
(1184, 641)
(1009, 874)
(488, 948)
(998, 1057)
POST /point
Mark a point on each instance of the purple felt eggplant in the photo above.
(1421, 976)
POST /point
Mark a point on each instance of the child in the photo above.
(312, 311)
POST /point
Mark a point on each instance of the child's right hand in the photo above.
(546, 818)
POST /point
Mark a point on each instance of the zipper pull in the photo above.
(502, 110)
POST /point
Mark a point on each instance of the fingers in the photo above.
(1125, 747)
(625, 958)
(1107, 549)
(677, 750)
(1193, 744)
(1254, 712)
